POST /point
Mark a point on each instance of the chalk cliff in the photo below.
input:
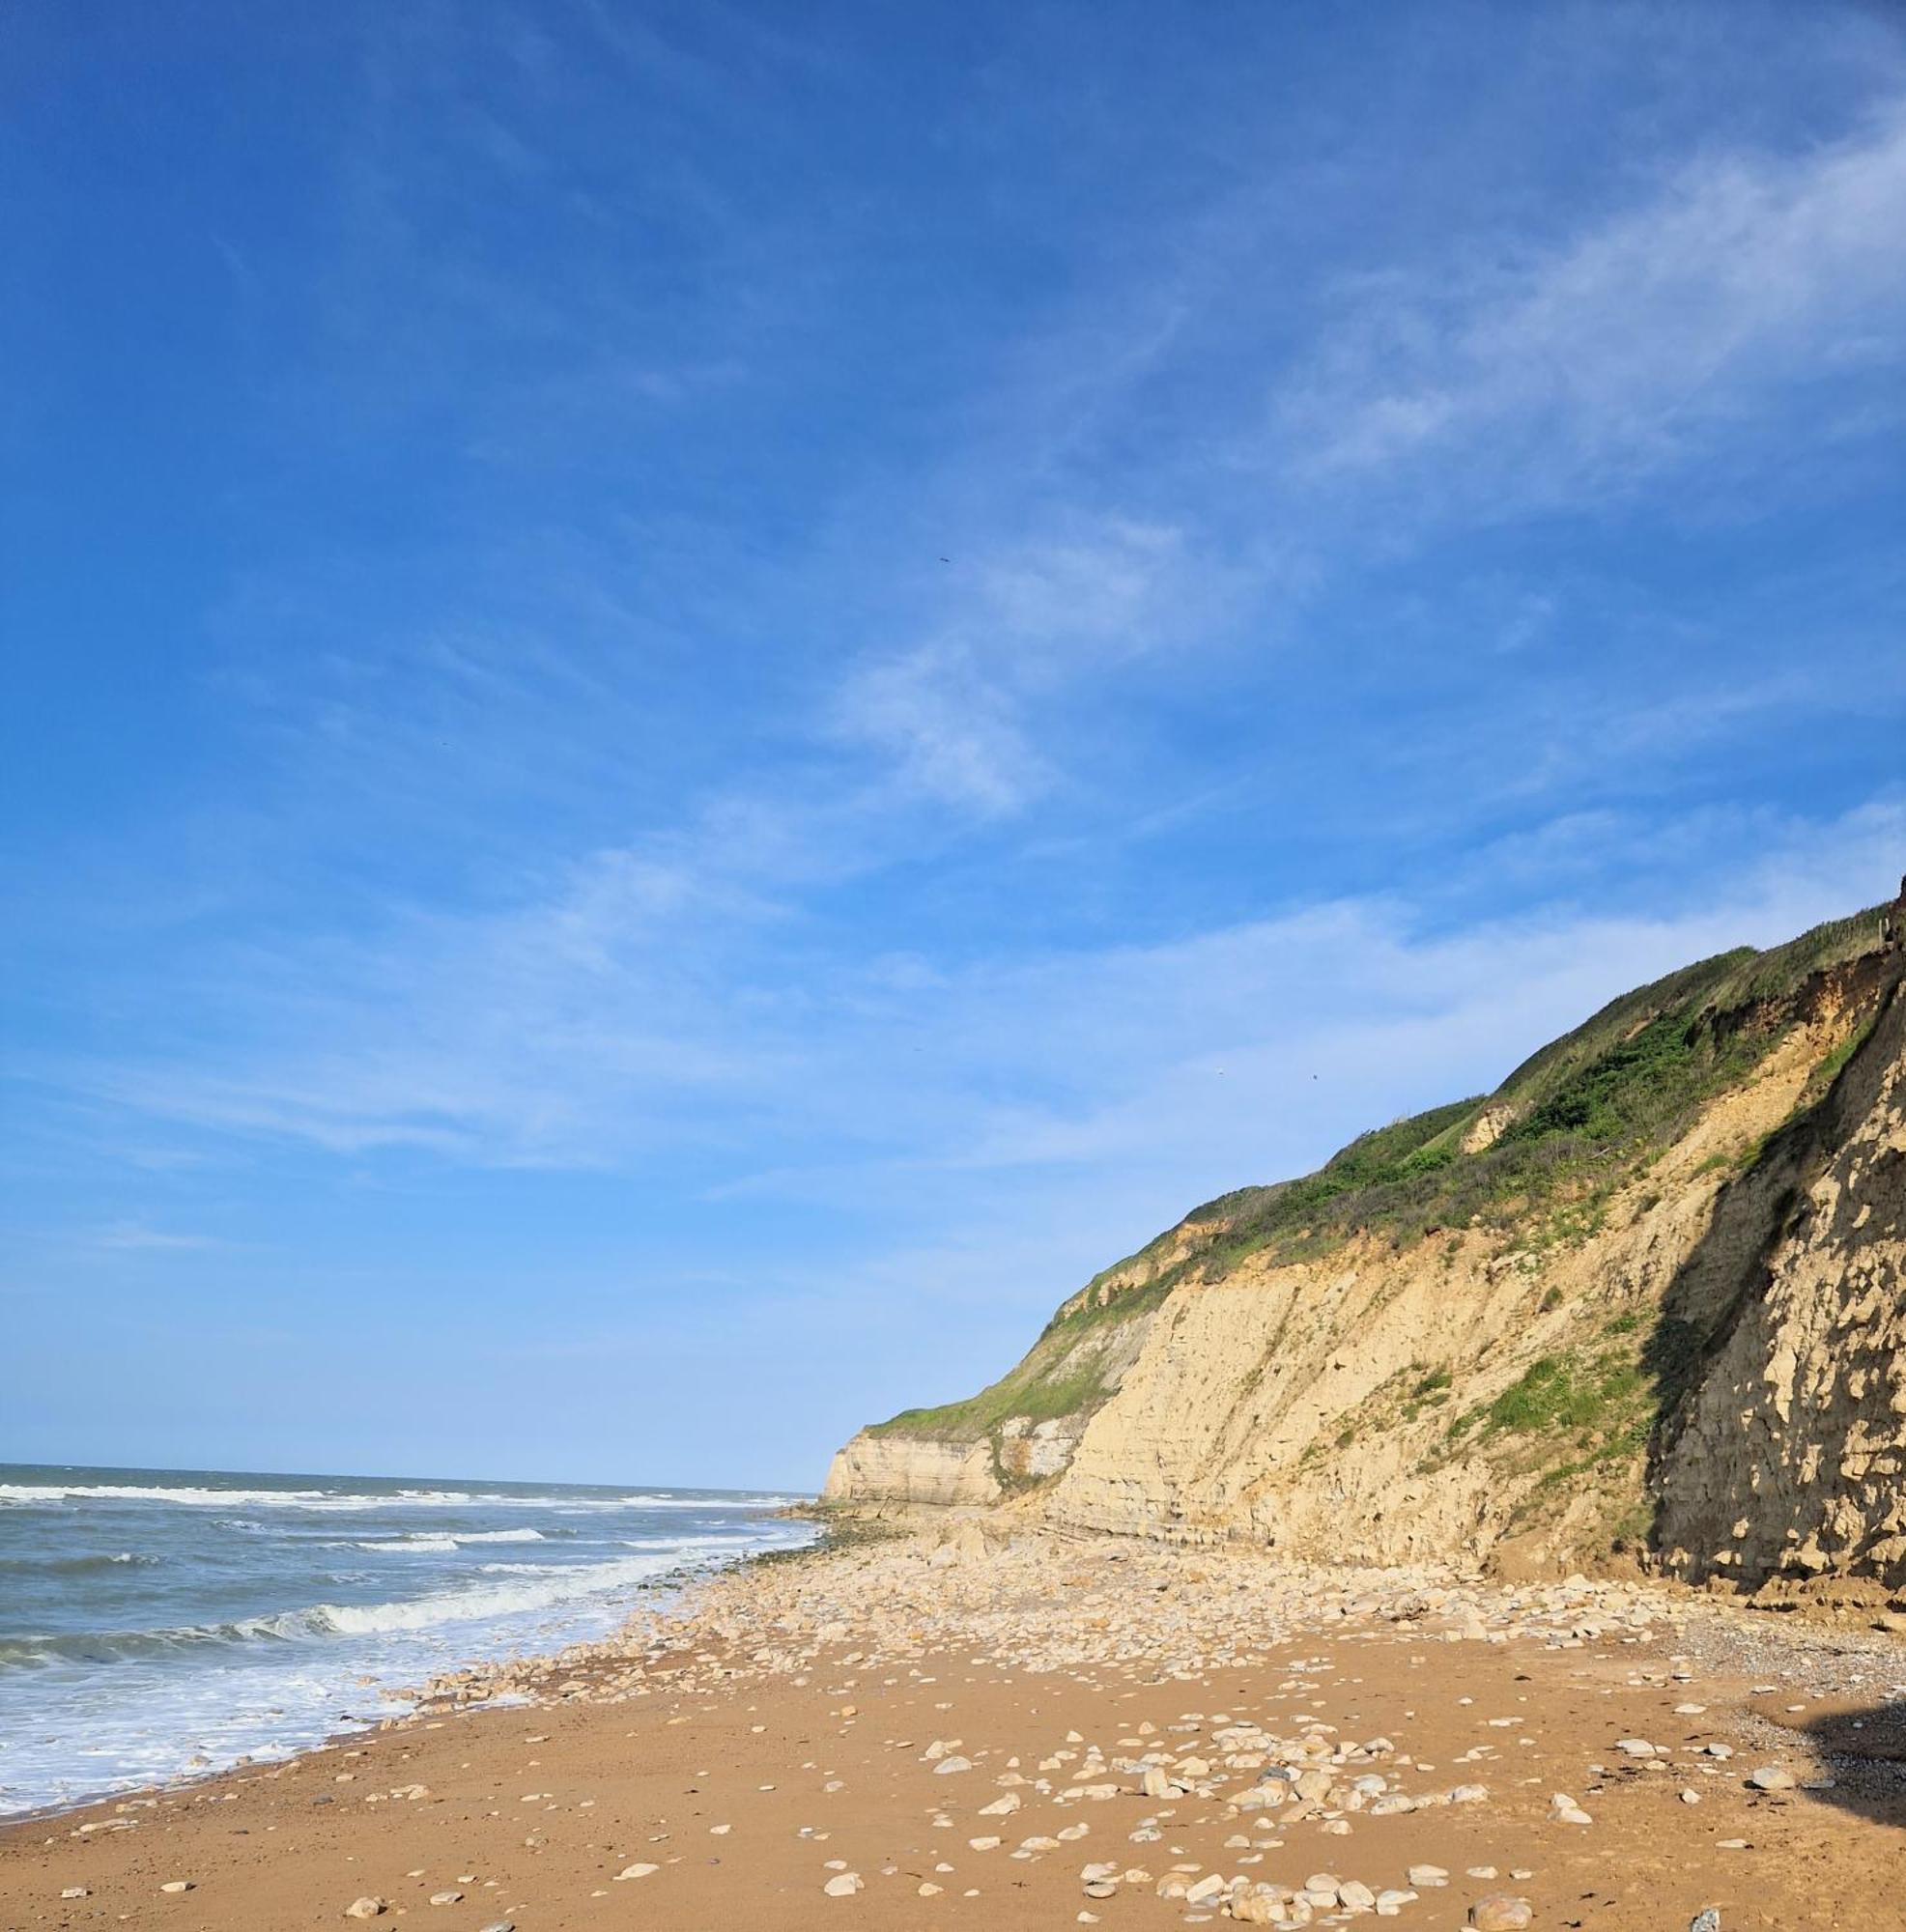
(1642, 1303)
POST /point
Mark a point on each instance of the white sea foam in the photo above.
(423, 1543)
(479, 1603)
(99, 1689)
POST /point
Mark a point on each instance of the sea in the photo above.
(159, 1622)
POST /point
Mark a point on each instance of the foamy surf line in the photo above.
(142, 1641)
(425, 1545)
(288, 1682)
(480, 1603)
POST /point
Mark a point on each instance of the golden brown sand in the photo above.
(786, 1733)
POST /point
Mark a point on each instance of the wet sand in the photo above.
(1121, 1714)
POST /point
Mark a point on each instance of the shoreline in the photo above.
(722, 1753)
(396, 1690)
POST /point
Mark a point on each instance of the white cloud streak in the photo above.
(631, 1012)
(1576, 370)
(1032, 616)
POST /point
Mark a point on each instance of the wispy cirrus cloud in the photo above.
(135, 1237)
(1028, 619)
(614, 985)
(636, 1013)
(1745, 281)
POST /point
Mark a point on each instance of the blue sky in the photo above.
(704, 698)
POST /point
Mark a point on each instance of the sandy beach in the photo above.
(944, 1729)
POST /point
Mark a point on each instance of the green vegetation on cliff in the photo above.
(1068, 1370)
(1539, 1157)
(1571, 1122)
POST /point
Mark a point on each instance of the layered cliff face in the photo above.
(1644, 1298)
(1025, 1429)
(1786, 1458)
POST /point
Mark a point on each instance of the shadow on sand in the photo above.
(1863, 1747)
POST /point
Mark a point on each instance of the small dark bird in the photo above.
(946, 559)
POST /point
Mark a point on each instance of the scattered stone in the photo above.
(363, 1908)
(1501, 1912)
(1772, 1778)
(843, 1884)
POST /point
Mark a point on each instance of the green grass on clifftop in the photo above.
(1574, 1121)
(1582, 1114)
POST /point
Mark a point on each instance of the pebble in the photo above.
(363, 1908)
(175, 1885)
(1501, 1912)
(446, 1898)
(1772, 1778)
(637, 1871)
(843, 1884)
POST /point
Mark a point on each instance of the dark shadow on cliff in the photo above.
(1732, 1267)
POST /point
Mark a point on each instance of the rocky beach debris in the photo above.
(1042, 1603)
(1230, 1759)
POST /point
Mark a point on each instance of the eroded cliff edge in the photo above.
(1642, 1302)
